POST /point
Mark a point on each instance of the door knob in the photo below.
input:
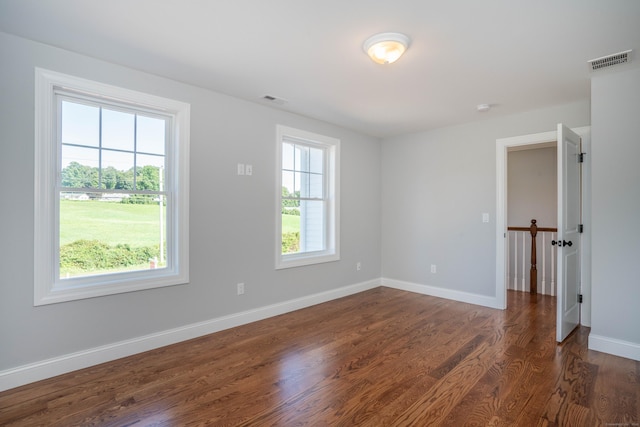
(561, 243)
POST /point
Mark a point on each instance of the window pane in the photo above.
(298, 185)
(117, 130)
(287, 156)
(150, 172)
(150, 135)
(79, 167)
(80, 124)
(290, 226)
(316, 160)
(316, 186)
(92, 240)
(148, 178)
(123, 165)
(287, 184)
(312, 225)
(148, 160)
(302, 158)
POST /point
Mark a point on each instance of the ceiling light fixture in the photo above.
(483, 108)
(386, 48)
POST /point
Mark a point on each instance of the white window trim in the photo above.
(45, 215)
(332, 251)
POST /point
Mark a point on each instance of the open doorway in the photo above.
(532, 196)
(502, 147)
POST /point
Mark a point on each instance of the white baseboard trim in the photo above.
(26, 374)
(433, 291)
(614, 346)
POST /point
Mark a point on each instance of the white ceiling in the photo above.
(516, 55)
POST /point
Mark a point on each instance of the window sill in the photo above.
(80, 290)
(299, 260)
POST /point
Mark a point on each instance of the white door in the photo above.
(569, 217)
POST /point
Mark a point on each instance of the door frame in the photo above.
(502, 146)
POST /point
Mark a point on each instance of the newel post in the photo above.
(533, 285)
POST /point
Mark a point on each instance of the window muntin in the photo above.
(308, 198)
(111, 190)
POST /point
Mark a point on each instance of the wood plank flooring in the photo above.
(379, 358)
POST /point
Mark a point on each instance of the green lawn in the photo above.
(109, 222)
(114, 223)
(290, 223)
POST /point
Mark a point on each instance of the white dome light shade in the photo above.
(386, 48)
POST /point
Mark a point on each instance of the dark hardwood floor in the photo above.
(380, 358)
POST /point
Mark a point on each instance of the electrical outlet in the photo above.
(240, 288)
(240, 168)
(248, 170)
(358, 266)
(433, 268)
(485, 217)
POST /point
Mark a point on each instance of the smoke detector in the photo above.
(610, 60)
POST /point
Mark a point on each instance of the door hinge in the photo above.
(579, 298)
(581, 157)
(580, 228)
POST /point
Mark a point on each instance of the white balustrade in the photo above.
(519, 262)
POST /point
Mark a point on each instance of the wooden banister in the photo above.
(533, 272)
(541, 229)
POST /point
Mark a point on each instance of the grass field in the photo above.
(114, 223)
(110, 222)
(290, 223)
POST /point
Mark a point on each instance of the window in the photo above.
(308, 199)
(111, 190)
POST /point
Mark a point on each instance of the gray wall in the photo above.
(616, 205)
(532, 187)
(407, 202)
(231, 217)
(435, 187)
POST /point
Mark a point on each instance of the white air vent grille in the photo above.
(610, 60)
(274, 99)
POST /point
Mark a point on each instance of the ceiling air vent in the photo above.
(610, 60)
(274, 100)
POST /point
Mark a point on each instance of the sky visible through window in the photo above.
(302, 170)
(123, 134)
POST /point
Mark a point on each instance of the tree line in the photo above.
(76, 175)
